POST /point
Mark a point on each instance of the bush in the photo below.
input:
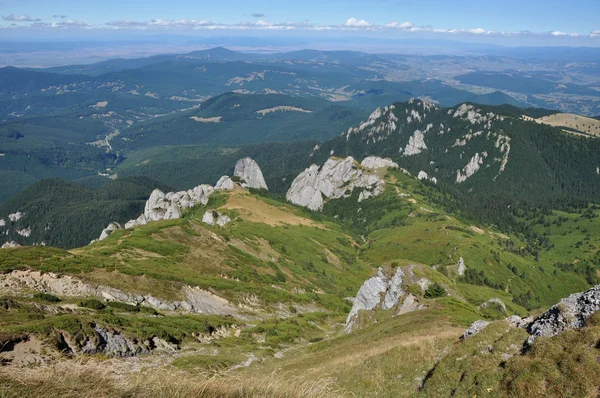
(123, 306)
(46, 297)
(435, 290)
(93, 304)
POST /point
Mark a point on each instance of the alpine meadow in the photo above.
(354, 198)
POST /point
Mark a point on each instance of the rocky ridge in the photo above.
(338, 178)
(161, 206)
(570, 313)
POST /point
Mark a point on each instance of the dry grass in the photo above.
(91, 378)
(570, 120)
(255, 210)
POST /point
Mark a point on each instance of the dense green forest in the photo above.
(66, 214)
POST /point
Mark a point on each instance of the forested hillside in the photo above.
(65, 214)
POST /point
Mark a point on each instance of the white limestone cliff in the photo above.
(337, 178)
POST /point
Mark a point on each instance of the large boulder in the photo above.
(249, 172)
(224, 184)
(10, 244)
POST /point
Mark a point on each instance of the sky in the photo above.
(506, 22)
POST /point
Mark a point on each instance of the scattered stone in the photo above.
(213, 217)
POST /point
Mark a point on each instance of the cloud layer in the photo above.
(351, 24)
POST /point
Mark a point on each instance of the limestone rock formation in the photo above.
(224, 184)
(10, 244)
(375, 162)
(212, 217)
(248, 170)
(337, 178)
(113, 226)
(383, 292)
(195, 299)
(569, 313)
(422, 176)
(461, 267)
(475, 328)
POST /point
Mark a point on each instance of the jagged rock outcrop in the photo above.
(475, 328)
(383, 292)
(14, 217)
(423, 176)
(106, 232)
(569, 313)
(168, 206)
(337, 178)
(461, 267)
(10, 244)
(212, 217)
(249, 172)
(112, 343)
(195, 299)
(225, 183)
(375, 162)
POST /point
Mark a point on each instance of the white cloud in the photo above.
(477, 31)
(70, 23)
(59, 16)
(258, 15)
(595, 33)
(355, 23)
(20, 18)
(400, 25)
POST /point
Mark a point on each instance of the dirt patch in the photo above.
(255, 210)
(26, 353)
(333, 259)
(477, 230)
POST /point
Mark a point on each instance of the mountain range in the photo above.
(304, 224)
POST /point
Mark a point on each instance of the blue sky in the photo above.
(574, 22)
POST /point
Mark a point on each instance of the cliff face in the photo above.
(338, 178)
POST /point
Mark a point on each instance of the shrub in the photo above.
(435, 290)
(93, 304)
(46, 297)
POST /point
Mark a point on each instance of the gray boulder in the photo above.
(224, 184)
(212, 217)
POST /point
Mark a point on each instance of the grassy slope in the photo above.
(281, 254)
